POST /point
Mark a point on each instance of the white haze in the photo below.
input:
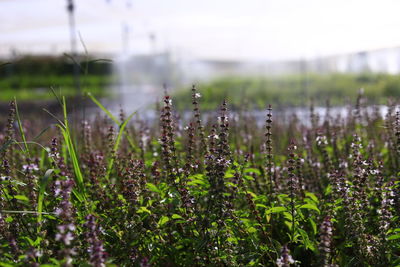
(212, 29)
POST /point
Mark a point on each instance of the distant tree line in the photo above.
(54, 65)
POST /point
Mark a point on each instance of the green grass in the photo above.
(37, 87)
(292, 90)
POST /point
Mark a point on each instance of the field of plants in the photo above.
(204, 191)
(29, 77)
(293, 90)
(36, 87)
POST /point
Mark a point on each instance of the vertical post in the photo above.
(74, 54)
(71, 16)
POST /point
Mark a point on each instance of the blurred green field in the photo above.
(255, 92)
(292, 90)
(31, 77)
(37, 87)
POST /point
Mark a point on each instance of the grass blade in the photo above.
(42, 188)
(65, 131)
(55, 117)
(112, 117)
(41, 133)
(103, 108)
(21, 130)
(6, 145)
(117, 141)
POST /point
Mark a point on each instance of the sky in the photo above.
(208, 29)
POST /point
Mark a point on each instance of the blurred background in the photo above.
(128, 52)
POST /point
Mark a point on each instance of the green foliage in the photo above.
(330, 200)
(292, 90)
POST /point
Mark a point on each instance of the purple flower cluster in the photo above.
(285, 260)
(65, 212)
(96, 249)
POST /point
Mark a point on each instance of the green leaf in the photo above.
(312, 196)
(4, 264)
(195, 182)
(248, 177)
(261, 206)
(21, 197)
(289, 226)
(153, 188)
(251, 229)
(276, 210)
(229, 174)
(306, 240)
(143, 209)
(252, 194)
(252, 170)
(310, 206)
(163, 220)
(176, 216)
(33, 243)
(394, 237)
(288, 216)
(313, 225)
(328, 190)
